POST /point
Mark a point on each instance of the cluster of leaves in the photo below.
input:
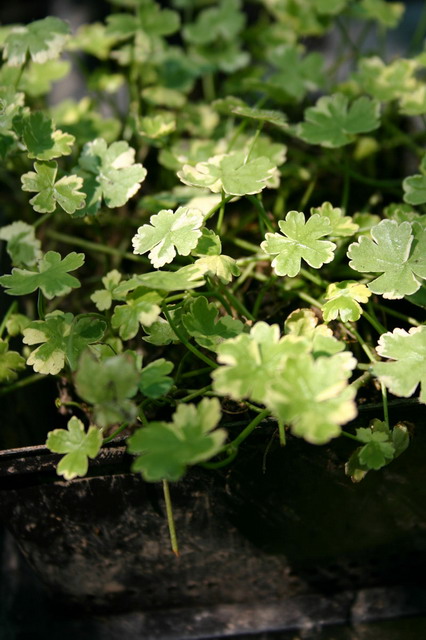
(247, 230)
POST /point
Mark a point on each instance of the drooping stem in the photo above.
(117, 432)
(21, 383)
(263, 216)
(249, 428)
(362, 342)
(41, 305)
(12, 309)
(94, 246)
(170, 518)
(385, 404)
(221, 214)
(281, 431)
(236, 303)
(399, 315)
(187, 344)
(195, 394)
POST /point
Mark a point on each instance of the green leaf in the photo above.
(204, 324)
(103, 297)
(63, 338)
(52, 276)
(230, 172)
(160, 333)
(223, 267)
(141, 308)
(222, 23)
(415, 189)
(22, 245)
(382, 446)
(84, 122)
(108, 384)
(93, 39)
(11, 105)
(43, 142)
(149, 19)
(414, 102)
(187, 277)
(208, 244)
(16, 324)
(154, 381)
(164, 97)
(10, 363)
(341, 225)
(386, 82)
(64, 192)
(295, 74)
(158, 126)
(37, 79)
(299, 241)
(169, 233)
(319, 337)
(109, 173)
(252, 361)
(387, 13)
(167, 448)
(236, 107)
(42, 40)
(78, 446)
(407, 369)
(343, 301)
(377, 451)
(393, 251)
(312, 395)
(332, 123)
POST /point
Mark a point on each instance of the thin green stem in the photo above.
(399, 315)
(385, 404)
(196, 372)
(24, 382)
(419, 33)
(195, 394)
(370, 355)
(313, 277)
(237, 304)
(361, 381)
(41, 220)
(250, 428)
(310, 299)
(170, 518)
(253, 142)
(208, 87)
(307, 194)
(218, 206)
(221, 214)
(350, 435)
(94, 246)
(187, 344)
(247, 271)
(346, 184)
(374, 322)
(117, 432)
(346, 37)
(41, 305)
(12, 309)
(263, 216)
(69, 403)
(243, 244)
(221, 463)
(281, 431)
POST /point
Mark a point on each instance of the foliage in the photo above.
(247, 223)
(77, 445)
